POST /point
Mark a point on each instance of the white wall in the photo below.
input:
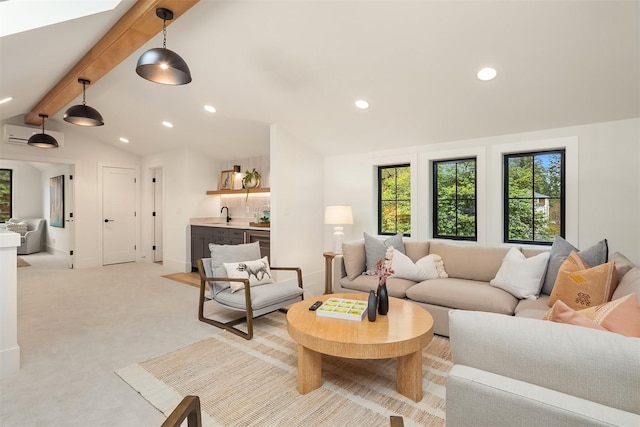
(85, 154)
(27, 189)
(187, 177)
(603, 183)
(297, 207)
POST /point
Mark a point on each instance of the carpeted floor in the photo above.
(22, 263)
(254, 382)
(192, 279)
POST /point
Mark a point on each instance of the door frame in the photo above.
(99, 219)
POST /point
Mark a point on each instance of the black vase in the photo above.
(372, 307)
(383, 299)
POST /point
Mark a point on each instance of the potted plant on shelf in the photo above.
(251, 179)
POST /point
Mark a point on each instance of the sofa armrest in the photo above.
(599, 366)
(480, 398)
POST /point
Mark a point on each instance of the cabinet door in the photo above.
(264, 240)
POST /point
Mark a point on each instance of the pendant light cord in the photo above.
(84, 102)
(164, 33)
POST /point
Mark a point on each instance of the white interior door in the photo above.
(118, 215)
(157, 215)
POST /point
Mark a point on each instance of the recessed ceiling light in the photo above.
(7, 99)
(362, 104)
(125, 140)
(487, 74)
(167, 124)
(210, 108)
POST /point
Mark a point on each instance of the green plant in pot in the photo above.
(251, 179)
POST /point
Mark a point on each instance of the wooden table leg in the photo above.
(409, 382)
(309, 370)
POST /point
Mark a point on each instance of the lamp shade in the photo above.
(42, 140)
(164, 66)
(338, 215)
(83, 115)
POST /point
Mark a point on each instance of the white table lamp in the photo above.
(338, 216)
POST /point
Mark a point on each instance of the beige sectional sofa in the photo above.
(470, 269)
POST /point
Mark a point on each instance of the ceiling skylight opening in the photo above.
(210, 108)
(125, 140)
(167, 124)
(7, 99)
(487, 74)
(362, 104)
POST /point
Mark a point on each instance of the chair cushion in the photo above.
(263, 296)
(230, 253)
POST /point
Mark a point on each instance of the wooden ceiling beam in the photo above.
(136, 27)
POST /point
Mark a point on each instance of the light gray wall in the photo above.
(603, 183)
(27, 189)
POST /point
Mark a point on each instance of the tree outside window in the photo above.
(6, 189)
(454, 193)
(534, 197)
(394, 199)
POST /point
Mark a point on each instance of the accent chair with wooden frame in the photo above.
(254, 300)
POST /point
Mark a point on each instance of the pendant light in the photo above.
(42, 140)
(83, 115)
(161, 65)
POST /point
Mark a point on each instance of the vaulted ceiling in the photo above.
(302, 64)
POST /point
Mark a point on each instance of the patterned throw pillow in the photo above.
(17, 227)
(621, 316)
(579, 286)
(258, 273)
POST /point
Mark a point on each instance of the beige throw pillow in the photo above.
(579, 286)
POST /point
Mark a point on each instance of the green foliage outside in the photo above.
(395, 199)
(5, 195)
(455, 207)
(534, 180)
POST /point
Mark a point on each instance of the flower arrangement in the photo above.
(383, 265)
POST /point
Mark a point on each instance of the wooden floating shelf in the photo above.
(241, 191)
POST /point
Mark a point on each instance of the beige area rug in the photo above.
(192, 279)
(254, 382)
(22, 263)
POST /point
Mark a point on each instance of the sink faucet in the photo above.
(228, 217)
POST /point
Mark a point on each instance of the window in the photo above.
(394, 199)
(454, 194)
(534, 207)
(6, 192)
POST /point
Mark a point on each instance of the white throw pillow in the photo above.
(521, 276)
(258, 273)
(404, 268)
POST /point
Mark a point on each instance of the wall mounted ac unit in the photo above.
(19, 135)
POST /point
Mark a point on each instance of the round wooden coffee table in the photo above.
(402, 333)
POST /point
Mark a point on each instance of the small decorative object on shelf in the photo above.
(372, 307)
(251, 179)
(383, 271)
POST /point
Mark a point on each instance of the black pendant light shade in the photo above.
(161, 65)
(82, 114)
(42, 140)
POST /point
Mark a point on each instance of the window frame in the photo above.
(380, 168)
(505, 193)
(10, 191)
(434, 198)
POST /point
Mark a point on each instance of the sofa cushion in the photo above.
(532, 308)
(580, 287)
(353, 256)
(463, 294)
(520, 276)
(629, 283)
(375, 248)
(560, 250)
(469, 262)
(623, 264)
(404, 268)
(396, 287)
(621, 316)
(416, 250)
